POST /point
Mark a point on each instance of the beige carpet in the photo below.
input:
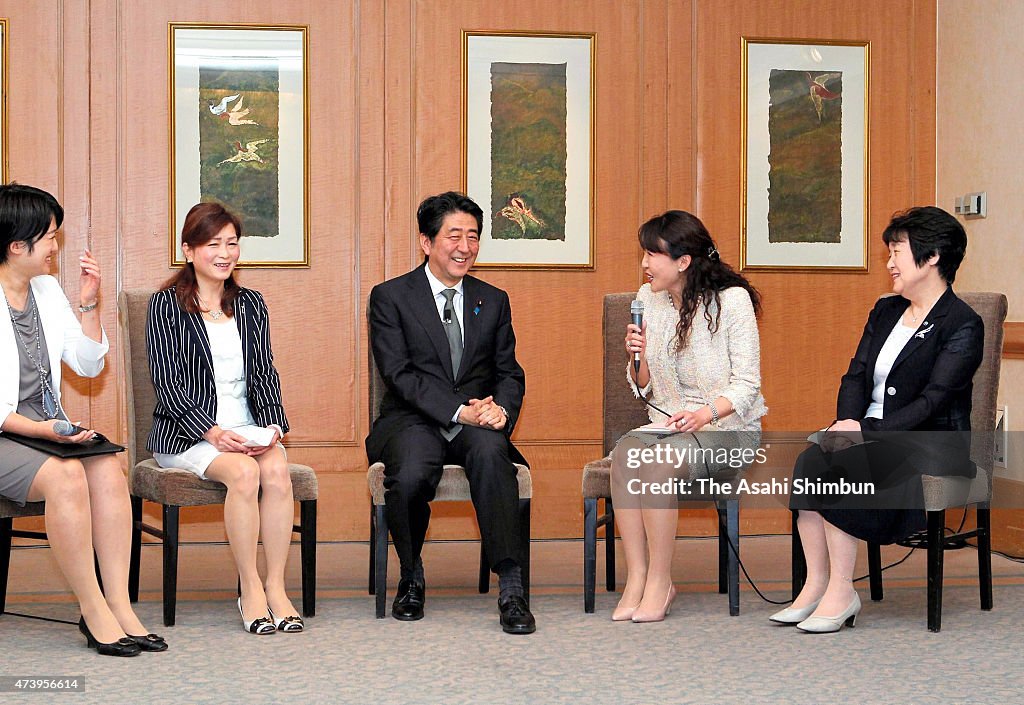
(458, 653)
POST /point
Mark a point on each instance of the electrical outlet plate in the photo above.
(1002, 437)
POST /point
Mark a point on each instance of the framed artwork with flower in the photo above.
(239, 134)
(527, 146)
(804, 156)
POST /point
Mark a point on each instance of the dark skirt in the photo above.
(890, 512)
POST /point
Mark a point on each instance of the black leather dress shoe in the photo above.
(124, 646)
(408, 604)
(516, 617)
(149, 642)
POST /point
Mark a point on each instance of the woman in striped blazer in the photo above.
(218, 411)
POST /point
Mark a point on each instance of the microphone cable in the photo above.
(732, 547)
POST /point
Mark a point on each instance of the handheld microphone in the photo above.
(66, 428)
(636, 312)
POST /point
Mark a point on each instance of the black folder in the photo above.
(97, 445)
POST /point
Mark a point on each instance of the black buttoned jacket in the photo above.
(929, 386)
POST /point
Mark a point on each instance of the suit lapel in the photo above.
(243, 323)
(421, 301)
(471, 308)
(886, 323)
(927, 327)
(196, 330)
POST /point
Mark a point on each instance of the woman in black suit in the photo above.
(218, 410)
(912, 372)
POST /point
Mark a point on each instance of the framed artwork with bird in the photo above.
(238, 134)
(805, 155)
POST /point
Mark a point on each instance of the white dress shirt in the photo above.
(436, 287)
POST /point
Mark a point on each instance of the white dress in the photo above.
(232, 401)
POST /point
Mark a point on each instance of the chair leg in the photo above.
(307, 555)
(524, 545)
(984, 555)
(170, 518)
(380, 553)
(936, 547)
(732, 515)
(723, 549)
(373, 544)
(609, 545)
(589, 552)
(6, 524)
(136, 552)
(484, 579)
(798, 571)
(875, 570)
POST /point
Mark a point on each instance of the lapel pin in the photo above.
(476, 311)
(922, 333)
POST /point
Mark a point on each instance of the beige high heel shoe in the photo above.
(658, 616)
(794, 615)
(624, 613)
(827, 625)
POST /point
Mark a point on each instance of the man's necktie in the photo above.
(454, 333)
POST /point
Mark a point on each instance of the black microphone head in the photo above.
(636, 308)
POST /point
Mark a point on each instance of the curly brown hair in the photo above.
(677, 233)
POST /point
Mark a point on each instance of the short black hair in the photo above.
(25, 214)
(432, 211)
(930, 231)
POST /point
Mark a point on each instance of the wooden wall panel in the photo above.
(384, 96)
(314, 311)
(812, 321)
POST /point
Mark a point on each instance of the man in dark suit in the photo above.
(444, 345)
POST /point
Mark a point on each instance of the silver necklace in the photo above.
(913, 318)
(49, 399)
(214, 314)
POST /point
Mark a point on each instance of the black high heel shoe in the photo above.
(124, 646)
(149, 642)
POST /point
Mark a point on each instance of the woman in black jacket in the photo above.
(904, 410)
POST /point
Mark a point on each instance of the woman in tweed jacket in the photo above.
(700, 363)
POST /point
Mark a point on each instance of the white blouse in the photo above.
(891, 349)
(229, 375)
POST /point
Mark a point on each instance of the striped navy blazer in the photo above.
(181, 367)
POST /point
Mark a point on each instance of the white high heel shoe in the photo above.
(795, 615)
(826, 625)
(287, 624)
(260, 625)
